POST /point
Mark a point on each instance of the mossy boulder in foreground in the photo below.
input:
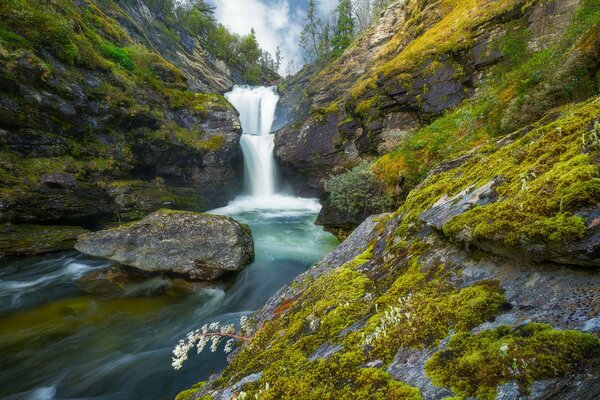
(199, 246)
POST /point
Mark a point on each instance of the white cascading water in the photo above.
(256, 106)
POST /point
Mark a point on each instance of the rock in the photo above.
(324, 351)
(199, 246)
(447, 208)
(124, 280)
(338, 222)
(29, 240)
(136, 199)
(110, 280)
(59, 180)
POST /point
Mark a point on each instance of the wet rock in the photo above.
(136, 199)
(54, 202)
(199, 246)
(59, 180)
(447, 208)
(29, 240)
(324, 351)
(111, 280)
(339, 222)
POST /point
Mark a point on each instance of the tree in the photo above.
(278, 59)
(309, 37)
(250, 53)
(344, 31)
(362, 9)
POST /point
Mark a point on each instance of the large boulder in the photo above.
(199, 246)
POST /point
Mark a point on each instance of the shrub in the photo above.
(120, 55)
(358, 191)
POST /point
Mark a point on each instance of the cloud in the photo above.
(275, 24)
(326, 6)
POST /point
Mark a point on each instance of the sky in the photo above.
(277, 23)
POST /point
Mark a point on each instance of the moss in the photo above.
(120, 55)
(188, 394)
(546, 177)
(339, 299)
(322, 113)
(20, 240)
(475, 365)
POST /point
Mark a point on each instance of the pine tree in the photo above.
(309, 38)
(344, 31)
(278, 59)
(250, 52)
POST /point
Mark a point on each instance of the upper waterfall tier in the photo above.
(256, 106)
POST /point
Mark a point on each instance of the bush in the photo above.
(358, 191)
(120, 55)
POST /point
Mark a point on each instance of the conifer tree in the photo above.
(309, 38)
(344, 31)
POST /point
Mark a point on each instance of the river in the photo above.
(57, 342)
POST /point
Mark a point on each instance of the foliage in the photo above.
(344, 31)
(214, 334)
(358, 191)
(475, 365)
(243, 51)
(516, 92)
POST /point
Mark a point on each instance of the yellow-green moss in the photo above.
(320, 114)
(475, 365)
(19, 240)
(188, 394)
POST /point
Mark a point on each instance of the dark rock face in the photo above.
(340, 223)
(376, 121)
(178, 242)
(29, 240)
(309, 152)
(71, 133)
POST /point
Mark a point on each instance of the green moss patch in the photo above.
(475, 365)
(25, 240)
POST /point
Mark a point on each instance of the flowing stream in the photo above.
(57, 342)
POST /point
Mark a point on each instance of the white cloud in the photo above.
(326, 6)
(275, 25)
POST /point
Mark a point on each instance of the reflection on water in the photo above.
(59, 343)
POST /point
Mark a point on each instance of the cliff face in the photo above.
(477, 287)
(108, 112)
(422, 59)
(484, 282)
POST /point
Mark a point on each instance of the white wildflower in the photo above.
(229, 346)
(241, 396)
(214, 343)
(313, 322)
(504, 348)
(244, 324)
(392, 317)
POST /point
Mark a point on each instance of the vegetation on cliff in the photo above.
(511, 167)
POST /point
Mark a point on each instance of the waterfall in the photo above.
(256, 106)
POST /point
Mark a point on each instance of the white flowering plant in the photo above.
(392, 317)
(213, 333)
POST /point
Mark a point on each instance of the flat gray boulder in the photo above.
(200, 246)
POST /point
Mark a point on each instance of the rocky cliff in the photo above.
(421, 60)
(108, 111)
(483, 283)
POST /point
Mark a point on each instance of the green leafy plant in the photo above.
(358, 191)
